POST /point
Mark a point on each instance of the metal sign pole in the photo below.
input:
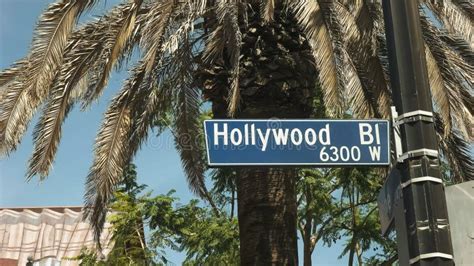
(427, 232)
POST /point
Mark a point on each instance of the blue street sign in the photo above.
(297, 142)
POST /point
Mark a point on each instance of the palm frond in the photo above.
(348, 80)
(7, 79)
(467, 6)
(157, 89)
(454, 72)
(227, 37)
(454, 19)
(111, 153)
(130, 116)
(457, 152)
(267, 10)
(70, 83)
(156, 23)
(115, 40)
(371, 23)
(459, 45)
(161, 70)
(310, 18)
(220, 38)
(13, 98)
(32, 86)
(51, 35)
(359, 98)
(440, 93)
(10, 74)
(367, 65)
(235, 39)
(154, 29)
(169, 81)
(187, 124)
(354, 6)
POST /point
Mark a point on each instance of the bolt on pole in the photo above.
(426, 233)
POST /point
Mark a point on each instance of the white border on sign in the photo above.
(298, 164)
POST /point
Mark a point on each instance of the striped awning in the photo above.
(54, 233)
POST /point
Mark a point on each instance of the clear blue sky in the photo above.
(158, 163)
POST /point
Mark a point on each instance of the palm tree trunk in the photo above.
(267, 216)
(351, 257)
(359, 254)
(307, 243)
(307, 250)
(277, 79)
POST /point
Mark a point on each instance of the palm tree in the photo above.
(267, 58)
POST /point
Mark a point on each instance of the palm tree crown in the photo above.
(70, 64)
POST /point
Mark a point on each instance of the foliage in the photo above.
(356, 214)
(205, 236)
(316, 205)
(335, 204)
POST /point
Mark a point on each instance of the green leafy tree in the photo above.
(127, 228)
(204, 235)
(316, 204)
(250, 59)
(355, 216)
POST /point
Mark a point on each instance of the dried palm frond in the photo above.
(119, 139)
(227, 37)
(348, 80)
(367, 65)
(354, 6)
(144, 96)
(467, 6)
(310, 18)
(187, 98)
(32, 86)
(51, 35)
(115, 42)
(187, 124)
(439, 92)
(10, 74)
(454, 72)
(111, 153)
(459, 45)
(167, 79)
(457, 152)
(7, 78)
(155, 26)
(70, 83)
(224, 32)
(454, 19)
(359, 98)
(365, 15)
(267, 10)
(154, 29)
(156, 92)
(371, 24)
(12, 96)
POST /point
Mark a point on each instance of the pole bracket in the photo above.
(421, 179)
(396, 133)
(429, 256)
(417, 153)
(418, 115)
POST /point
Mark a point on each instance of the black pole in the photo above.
(425, 215)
